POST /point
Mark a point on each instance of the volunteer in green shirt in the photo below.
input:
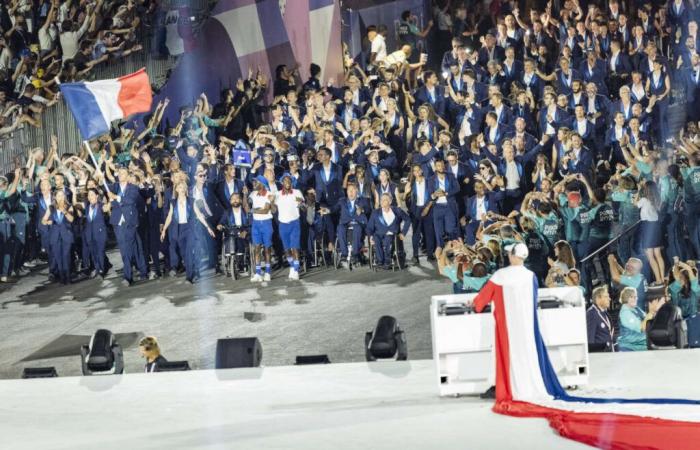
(684, 289)
(630, 276)
(628, 216)
(691, 186)
(670, 184)
(633, 322)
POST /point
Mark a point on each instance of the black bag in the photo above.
(667, 329)
(694, 331)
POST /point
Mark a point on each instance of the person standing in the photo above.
(261, 230)
(598, 323)
(125, 199)
(95, 233)
(59, 217)
(287, 201)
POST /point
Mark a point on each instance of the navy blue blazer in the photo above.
(490, 203)
(451, 189)
(95, 228)
(513, 73)
(175, 227)
(622, 65)
(414, 209)
(228, 219)
(128, 207)
(350, 213)
(378, 226)
(328, 191)
(223, 193)
(60, 229)
(597, 75)
(560, 118)
(562, 84)
(437, 102)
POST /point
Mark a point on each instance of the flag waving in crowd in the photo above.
(95, 104)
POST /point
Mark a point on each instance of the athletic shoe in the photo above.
(256, 278)
(266, 277)
(30, 264)
(294, 275)
(152, 276)
(3, 279)
(172, 273)
(291, 273)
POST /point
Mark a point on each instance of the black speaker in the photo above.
(233, 353)
(312, 359)
(172, 366)
(39, 372)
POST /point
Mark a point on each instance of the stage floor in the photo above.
(384, 405)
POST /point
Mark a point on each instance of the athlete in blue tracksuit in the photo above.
(59, 218)
(94, 234)
(386, 222)
(126, 199)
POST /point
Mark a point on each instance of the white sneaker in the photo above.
(3, 279)
(266, 277)
(293, 275)
(256, 278)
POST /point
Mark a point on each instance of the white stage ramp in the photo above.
(384, 405)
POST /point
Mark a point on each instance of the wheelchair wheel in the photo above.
(336, 256)
(225, 262)
(233, 266)
(371, 256)
(397, 254)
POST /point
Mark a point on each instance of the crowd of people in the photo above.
(45, 40)
(549, 128)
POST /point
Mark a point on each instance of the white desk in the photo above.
(463, 343)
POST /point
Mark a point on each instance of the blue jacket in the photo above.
(95, 228)
(437, 102)
(349, 214)
(451, 189)
(62, 229)
(328, 191)
(377, 226)
(175, 228)
(223, 192)
(227, 218)
(128, 206)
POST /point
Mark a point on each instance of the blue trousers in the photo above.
(355, 236)
(19, 234)
(61, 250)
(445, 223)
(423, 228)
(96, 254)
(383, 246)
(131, 250)
(5, 247)
(178, 246)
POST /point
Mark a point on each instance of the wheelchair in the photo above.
(338, 259)
(398, 255)
(235, 261)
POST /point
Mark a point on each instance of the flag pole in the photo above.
(97, 166)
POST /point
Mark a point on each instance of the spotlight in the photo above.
(103, 356)
(387, 340)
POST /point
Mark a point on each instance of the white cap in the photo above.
(519, 250)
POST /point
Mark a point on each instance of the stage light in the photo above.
(103, 356)
(387, 340)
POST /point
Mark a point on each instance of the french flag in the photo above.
(527, 385)
(95, 104)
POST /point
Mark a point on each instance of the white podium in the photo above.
(463, 340)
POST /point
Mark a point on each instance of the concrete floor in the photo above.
(327, 312)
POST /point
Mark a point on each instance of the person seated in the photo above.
(633, 323)
(353, 212)
(150, 350)
(235, 222)
(384, 224)
(599, 326)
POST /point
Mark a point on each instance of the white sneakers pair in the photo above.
(257, 278)
(293, 274)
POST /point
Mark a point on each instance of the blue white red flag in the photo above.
(527, 385)
(95, 104)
